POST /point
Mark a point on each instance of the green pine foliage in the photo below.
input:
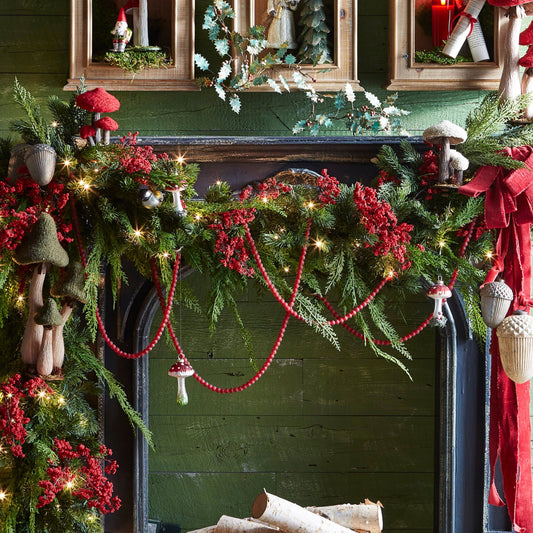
(313, 33)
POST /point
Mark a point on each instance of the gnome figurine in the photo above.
(121, 32)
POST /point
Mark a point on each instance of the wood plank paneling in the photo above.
(35, 7)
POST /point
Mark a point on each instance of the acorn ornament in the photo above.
(150, 198)
(496, 298)
(181, 370)
(515, 336)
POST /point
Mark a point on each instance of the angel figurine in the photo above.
(281, 30)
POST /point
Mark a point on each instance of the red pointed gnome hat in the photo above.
(508, 3)
(526, 37)
(122, 16)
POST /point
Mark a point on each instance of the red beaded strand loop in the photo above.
(276, 346)
(101, 326)
(288, 307)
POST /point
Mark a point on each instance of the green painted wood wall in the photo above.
(34, 45)
(320, 427)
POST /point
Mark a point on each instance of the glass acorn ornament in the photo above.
(150, 198)
(181, 370)
(496, 298)
(515, 336)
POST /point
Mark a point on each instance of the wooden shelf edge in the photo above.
(131, 85)
(403, 84)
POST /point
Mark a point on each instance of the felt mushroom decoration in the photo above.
(181, 370)
(132, 8)
(48, 317)
(71, 289)
(510, 34)
(458, 163)
(97, 101)
(39, 247)
(444, 134)
(439, 292)
(88, 133)
(107, 125)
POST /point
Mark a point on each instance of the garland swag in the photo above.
(364, 247)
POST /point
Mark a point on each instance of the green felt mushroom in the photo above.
(39, 247)
(71, 289)
(48, 317)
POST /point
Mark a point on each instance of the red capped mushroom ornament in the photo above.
(181, 370)
(439, 292)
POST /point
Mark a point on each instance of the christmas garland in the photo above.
(346, 251)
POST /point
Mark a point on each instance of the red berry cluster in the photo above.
(329, 188)
(137, 160)
(271, 188)
(81, 471)
(379, 219)
(22, 202)
(232, 248)
(385, 177)
(12, 419)
(429, 173)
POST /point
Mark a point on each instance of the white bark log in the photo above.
(229, 524)
(33, 333)
(143, 22)
(291, 518)
(136, 28)
(45, 359)
(58, 343)
(510, 81)
(362, 517)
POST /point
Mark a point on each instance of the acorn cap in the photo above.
(445, 130)
(181, 369)
(98, 101)
(40, 244)
(106, 123)
(87, 131)
(439, 291)
(526, 37)
(72, 285)
(49, 314)
(458, 161)
(496, 289)
(516, 325)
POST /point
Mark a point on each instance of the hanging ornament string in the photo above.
(279, 338)
(288, 308)
(101, 326)
(425, 323)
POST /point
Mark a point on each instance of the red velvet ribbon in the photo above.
(509, 208)
(472, 20)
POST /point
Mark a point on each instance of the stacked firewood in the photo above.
(272, 514)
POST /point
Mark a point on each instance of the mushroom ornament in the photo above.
(70, 289)
(181, 370)
(177, 202)
(510, 80)
(439, 292)
(38, 247)
(132, 8)
(97, 101)
(49, 318)
(458, 163)
(88, 133)
(444, 134)
(107, 125)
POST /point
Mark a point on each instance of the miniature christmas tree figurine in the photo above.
(313, 37)
(281, 29)
(121, 32)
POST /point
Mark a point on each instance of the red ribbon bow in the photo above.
(471, 19)
(509, 208)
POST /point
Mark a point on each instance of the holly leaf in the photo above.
(339, 100)
(274, 85)
(235, 103)
(373, 99)
(284, 83)
(348, 91)
(299, 126)
(224, 72)
(220, 91)
(290, 59)
(201, 62)
(222, 46)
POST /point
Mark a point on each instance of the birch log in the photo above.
(362, 517)
(292, 518)
(228, 524)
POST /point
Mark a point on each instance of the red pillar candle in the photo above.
(442, 12)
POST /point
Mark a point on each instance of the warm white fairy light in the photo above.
(275, 237)
(9, 395)
(180, 159)
(311, 205)
(55, 124)
(165, 255)
(489, 255)
(84, 185)
(66, 162)
(218, 182)
(3, 495)
(319, 243)
(20, 298)
(286, 269)
(61, 401)
(137, 233)
(42, 395)
(91, 518)
(391, 274)
(442, 244)
(264, 199)
(69, 485)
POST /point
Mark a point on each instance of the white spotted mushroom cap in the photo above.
(517, 325)
(181, 369)
(443, 130)
(439, 291)
(458, 161)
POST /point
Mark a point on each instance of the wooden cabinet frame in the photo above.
(178, 76)
(330, 76)
(407, 75)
